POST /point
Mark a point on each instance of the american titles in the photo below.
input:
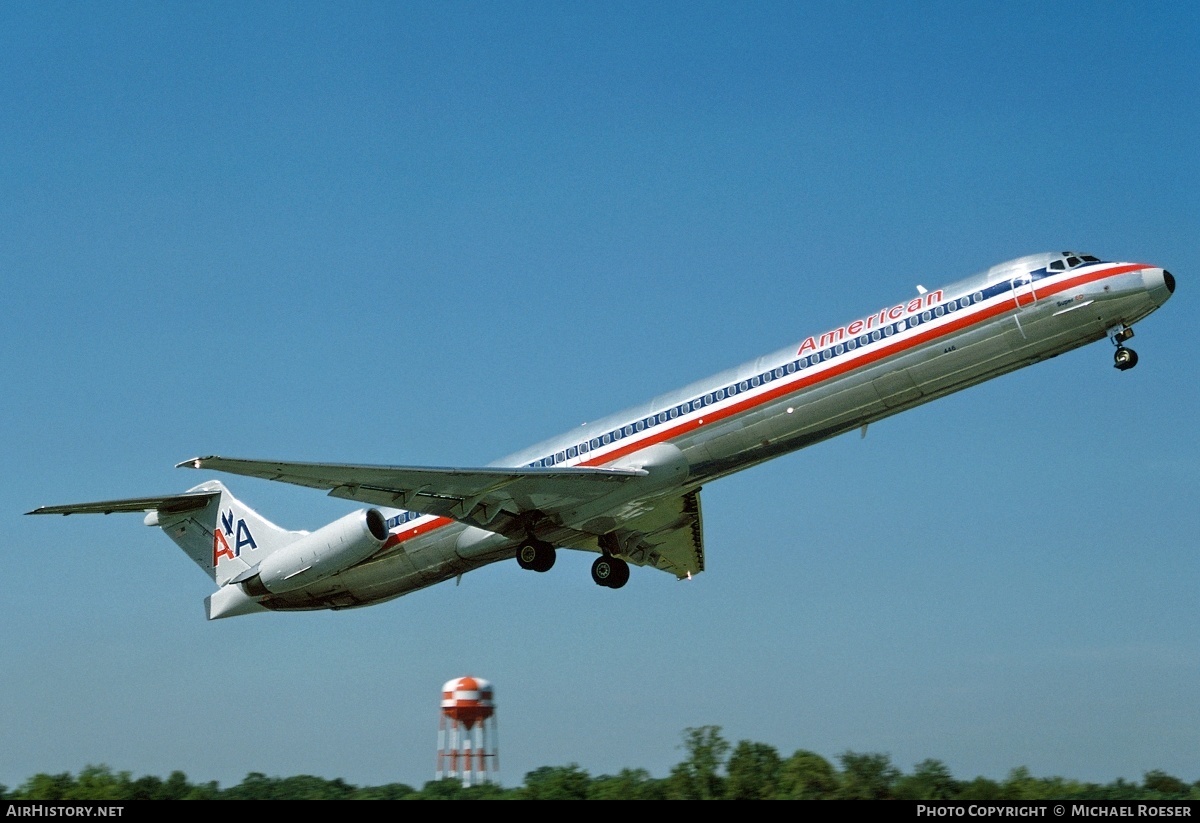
(880, 318)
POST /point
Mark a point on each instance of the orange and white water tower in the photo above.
(466, 730)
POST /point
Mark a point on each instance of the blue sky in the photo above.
(432, 234)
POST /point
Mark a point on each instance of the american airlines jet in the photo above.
(627, 487)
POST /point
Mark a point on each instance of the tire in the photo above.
(527, 555)
(546, 557)
(602, 570)
(1125, 359)
(610, 572)
(620, 575)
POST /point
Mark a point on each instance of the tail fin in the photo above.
(225, 537)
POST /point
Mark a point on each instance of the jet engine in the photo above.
(326, 551)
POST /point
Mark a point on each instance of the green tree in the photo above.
(1164, 784)
(46, 787)
(628, 784)
(981, 788)
(753, 772)
(389, 791)
(254, 786)
(99, 783)
(807, 776)
(867, 776)
(203, 791)
(556, 783)
(308, 787)
(931, 780)
(698, 777)
(1021, 785)
(448, 788)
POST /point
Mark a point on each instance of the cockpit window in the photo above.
(1073, 261)
(1058, 265)
(1089, 259)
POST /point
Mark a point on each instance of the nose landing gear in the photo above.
(1123, 358)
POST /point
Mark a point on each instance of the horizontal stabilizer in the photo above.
(167, 504)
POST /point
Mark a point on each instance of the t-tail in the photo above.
(247, 556)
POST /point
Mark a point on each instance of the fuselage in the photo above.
(933, 343)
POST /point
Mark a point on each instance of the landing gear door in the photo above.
(1023, 290)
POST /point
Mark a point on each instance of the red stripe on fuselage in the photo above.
(785, 386)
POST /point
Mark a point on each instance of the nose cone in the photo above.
(1160, 283)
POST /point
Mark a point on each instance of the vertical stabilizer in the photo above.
(225, 537)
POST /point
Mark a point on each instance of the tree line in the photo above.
(712, 769)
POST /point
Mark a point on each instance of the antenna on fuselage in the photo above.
(921, 289)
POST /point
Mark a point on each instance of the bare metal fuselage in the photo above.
(930, 345)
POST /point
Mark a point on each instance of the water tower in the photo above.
(466, 729)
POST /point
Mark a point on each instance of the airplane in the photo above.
(627, 487)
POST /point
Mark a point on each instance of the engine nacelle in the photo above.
(326, 551)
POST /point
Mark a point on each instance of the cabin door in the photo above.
(1023, 291)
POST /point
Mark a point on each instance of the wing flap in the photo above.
(668, 536)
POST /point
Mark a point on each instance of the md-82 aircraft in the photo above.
(627, 487)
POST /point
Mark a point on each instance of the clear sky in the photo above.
(434, 233)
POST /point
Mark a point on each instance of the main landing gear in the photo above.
(610, 571)
(536, 555)
(1123, 359)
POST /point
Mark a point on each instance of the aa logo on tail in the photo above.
(226, 532)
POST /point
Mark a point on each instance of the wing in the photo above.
(473, 496)
(168, 504)
(625, 510)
